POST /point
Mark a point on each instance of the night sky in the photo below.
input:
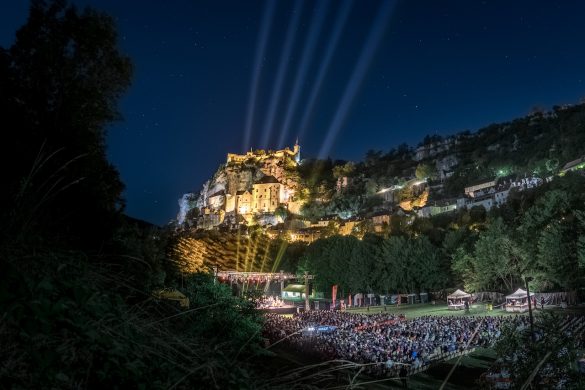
(213, 77)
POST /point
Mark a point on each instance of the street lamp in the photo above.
(530, 279)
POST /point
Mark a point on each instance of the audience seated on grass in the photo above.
(386, 342)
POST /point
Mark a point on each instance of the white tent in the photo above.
(457, 299)
(518, 301)
(519, 294)
(459, 294)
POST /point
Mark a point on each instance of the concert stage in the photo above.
(285, 309)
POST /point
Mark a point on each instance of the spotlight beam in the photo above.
(263, 34)
(357, 76)
(335, 35)
(282, 68)
(306, 58)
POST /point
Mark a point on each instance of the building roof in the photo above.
(458, 294)
(480, 182)
(298, 288)
(574, 163)
(268, 179)
(242, 192)
(519, 294)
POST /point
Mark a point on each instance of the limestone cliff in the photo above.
(239, 174)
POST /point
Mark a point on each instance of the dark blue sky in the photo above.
(399, 71)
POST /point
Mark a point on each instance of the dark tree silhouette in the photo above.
(60, 83)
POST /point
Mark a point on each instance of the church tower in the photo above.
(297, 151)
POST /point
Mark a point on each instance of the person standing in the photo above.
(542, 303)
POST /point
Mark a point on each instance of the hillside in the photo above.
(428, 179)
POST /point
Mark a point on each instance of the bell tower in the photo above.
(297, 151)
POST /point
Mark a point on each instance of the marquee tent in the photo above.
(457, 299)
(518, 301)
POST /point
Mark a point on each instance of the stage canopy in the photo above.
(458, 294)
(296, 288)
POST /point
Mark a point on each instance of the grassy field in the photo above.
(425, 309)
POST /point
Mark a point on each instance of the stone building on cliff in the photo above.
(251, 187)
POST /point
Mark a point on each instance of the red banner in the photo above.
(334, 294)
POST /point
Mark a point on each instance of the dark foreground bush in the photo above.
(65, 324)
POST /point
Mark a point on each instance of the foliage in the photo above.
(553, 355)
(281, 212)
(61, 81)
(394, 264)
(497, 261)
(344, 170)
(68, 324)
(76, 296)
(425, 171)
(540, 237)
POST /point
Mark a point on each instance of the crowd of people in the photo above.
(385, 343)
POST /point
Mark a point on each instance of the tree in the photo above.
(425, 171)
(61, 82)
(346, 169)
(552, 164)
(391, 270)
(477, 214)
(425, 266)
(552, 355)
(581, 242)
(556, 258)
(281, 212)
(496, 261)
(463, 265)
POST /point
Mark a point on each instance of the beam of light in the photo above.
(248, 250)
(358, 74)
(279, 255)
(262, 39)
(282, 68)
(266, 252)
(253, 250)
(238, 252)
(335, 35)
(306, 58)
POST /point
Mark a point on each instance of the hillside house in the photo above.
(437, 207)
(480, 188)
(573, 165)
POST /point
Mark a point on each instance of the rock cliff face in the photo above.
(240, 176)
(283, 169)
